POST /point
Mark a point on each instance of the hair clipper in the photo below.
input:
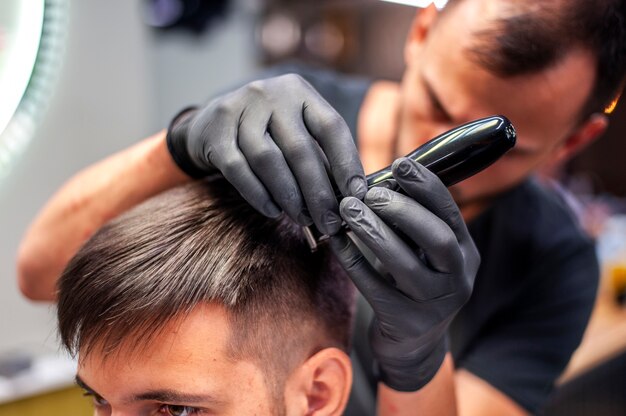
(452, 156)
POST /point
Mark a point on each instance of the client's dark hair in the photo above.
(203, 243)
(531, 36)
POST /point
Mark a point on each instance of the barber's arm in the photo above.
(428, 275)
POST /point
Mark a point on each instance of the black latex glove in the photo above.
(274, 141)
(427, 280)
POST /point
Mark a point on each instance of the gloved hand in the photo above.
(429, 271)
(274, 141)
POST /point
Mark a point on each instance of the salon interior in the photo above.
(83, 79)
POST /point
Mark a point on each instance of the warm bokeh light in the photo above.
(611, 107)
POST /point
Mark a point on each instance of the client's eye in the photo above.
(177, 410)
(98, 401)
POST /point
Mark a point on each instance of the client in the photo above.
(193, 303)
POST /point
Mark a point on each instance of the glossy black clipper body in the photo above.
(458, 153)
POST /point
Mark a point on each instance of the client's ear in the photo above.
(321, 385)
(585, 134)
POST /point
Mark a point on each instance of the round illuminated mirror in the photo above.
(30, 47)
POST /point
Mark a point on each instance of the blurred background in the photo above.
(101, 75)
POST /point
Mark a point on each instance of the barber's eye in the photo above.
(177, 410)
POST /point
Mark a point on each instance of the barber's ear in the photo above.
(586, 134)
(321, 386)
(420, 28)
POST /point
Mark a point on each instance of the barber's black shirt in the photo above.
(533, 293)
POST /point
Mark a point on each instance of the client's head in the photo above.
(194, 301)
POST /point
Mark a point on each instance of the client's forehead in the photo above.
(188, 356)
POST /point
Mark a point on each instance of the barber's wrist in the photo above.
(176, 140)
(409, 375)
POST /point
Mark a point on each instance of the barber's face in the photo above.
(185, 371)
(442, 87)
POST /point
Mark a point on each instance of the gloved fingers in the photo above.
(423, 186)
(422, 227)
(236, 170)
(411, 276)
(333, 135)
(302, 155)
(227, 158)
(378, 292)
(269, 165)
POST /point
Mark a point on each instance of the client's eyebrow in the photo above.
(176, 397)
(163, 395)
(79, 381)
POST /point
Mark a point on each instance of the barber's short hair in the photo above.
(197, 244)
(534, 35)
